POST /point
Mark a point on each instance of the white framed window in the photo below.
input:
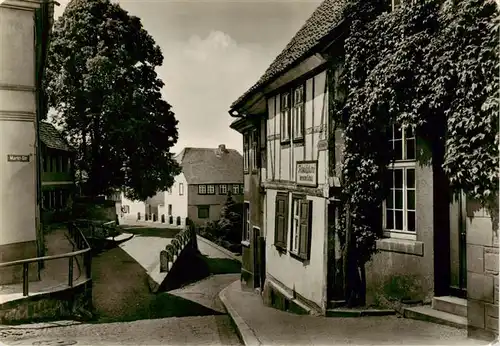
(181, 189)
(210, 189)
(285, 117)
(223, 189)
(295, 231)
(254, 149)
(246, 223)
(246, 152)
(202, 189)
(399, 208)
(298, 113)
(236, 189)
(395, 4)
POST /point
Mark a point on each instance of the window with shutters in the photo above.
(300, 231)
(281, 220)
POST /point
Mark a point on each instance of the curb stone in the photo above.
(245, 332)
(218, 247)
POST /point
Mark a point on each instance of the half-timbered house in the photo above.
(296, 183)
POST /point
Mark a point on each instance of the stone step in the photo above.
(452, 305)
(427, 313)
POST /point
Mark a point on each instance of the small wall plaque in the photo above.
(18, 158)
(322, 145)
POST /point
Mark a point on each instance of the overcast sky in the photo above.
(214, 51)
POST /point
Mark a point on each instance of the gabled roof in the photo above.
(211, 166)
(321, 23)
(52, 138)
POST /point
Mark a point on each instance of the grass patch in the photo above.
(152, 232)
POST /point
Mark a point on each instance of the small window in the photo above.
(298, 113)
(246, 153)
(170, 209)
(246, 222)
(202, 189)
(236, 189)
(203, 212)
(242, 189)
(210, 189)
(285, 117)
(170, 191)
(301, 227)
(254, 150)
(181, 189)
(223, 189)
(395, 4)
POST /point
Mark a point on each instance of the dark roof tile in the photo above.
(207, 166)
(52, 138)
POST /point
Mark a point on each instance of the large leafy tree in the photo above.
(102, 83)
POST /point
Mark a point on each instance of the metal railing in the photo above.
(81, 244)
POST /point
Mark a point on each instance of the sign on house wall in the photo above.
(18, 158)
(307, 173)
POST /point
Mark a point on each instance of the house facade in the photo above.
(435, 250)
(253, 132)
(200, 190)
(57, 170)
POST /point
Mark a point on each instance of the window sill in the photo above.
(245, 243)
(404, 246)
(297, 257)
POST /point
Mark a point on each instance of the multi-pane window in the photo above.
(181, 189)
(295, 226)
(223, 189)
(246, 223)
(254, 149)
(236, 189)
(400, 205)
(202, 189)
(285, 117)
(210, 189)
(246, 152)
(298, 113)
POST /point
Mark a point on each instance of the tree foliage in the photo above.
(432, 66)
(102, 83)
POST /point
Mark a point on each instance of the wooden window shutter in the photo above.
(305, 229)
(281, 223)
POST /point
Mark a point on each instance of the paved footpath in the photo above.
(262, 325)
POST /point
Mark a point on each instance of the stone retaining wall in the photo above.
(482, 272)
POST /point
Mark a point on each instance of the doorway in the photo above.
(458, 247)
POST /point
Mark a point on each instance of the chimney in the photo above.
(222, 148)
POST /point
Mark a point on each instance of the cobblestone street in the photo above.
(128, 313)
